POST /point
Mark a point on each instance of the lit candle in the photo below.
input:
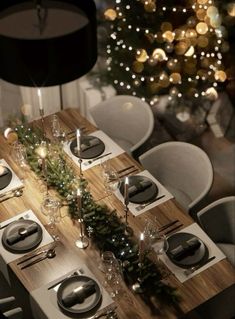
(141, 247)
(79, 203)
(42, 152)
(78, 142)
(40, 100)
(126, 191)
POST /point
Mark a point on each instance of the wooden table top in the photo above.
(193, 292)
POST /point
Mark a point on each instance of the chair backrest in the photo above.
(181, 167)
(218, 220)
(126, 119)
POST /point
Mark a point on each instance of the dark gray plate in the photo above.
(89, 304)
(143, 196)
(197, 257)
(92, 152)
(28, 243)
(5, 179)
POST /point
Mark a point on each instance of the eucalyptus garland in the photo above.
(104, 226)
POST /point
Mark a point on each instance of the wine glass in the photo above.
(51, 208)
(56, 129)
(110, 176)
(112, 269)
(160, 244)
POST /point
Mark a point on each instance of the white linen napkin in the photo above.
(44, 302)
(6, 256)
(196, 230)
(15, 182)
(110, 147)
(161, 191)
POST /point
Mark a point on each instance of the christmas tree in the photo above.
(158, 47)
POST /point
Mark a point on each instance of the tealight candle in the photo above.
(126, 191)
(78, 142)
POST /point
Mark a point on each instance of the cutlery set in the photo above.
(142, 206)
(48, 253)
(97, 158)
(191, 270)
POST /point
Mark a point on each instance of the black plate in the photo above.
(91, 152)
(143, 196)
(28, 243)
(196, 258)
(5, 179)
(89, 304)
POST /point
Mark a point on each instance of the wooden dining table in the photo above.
(193, 292)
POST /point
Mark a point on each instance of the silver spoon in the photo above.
(51, 253)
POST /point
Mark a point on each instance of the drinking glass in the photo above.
(112, 269)
(160, 244)
(51, 208)
(19, 154)
(110, 177)
(57, 132)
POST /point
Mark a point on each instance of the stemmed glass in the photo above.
(160, 244)
(110, 176)
(57, 133)
(51, 208)
(113, 273)
(19, 155)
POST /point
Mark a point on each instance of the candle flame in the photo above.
(78, 133)
(78, 192)
(142, 236)
(127, 181)
(39, 93)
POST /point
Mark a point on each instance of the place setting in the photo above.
(76, 294)
(88, 150)
(190, 251)
(144, 192)
(19, 236)
(10, 184)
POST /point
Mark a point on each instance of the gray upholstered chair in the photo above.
(128, 120)
(7, 307)
(218, 221)
(183, 168)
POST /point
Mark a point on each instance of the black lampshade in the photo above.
(46, 42)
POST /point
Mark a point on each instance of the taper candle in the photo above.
(79, 203)
(126, 191)
(40, 100)
(79, 142)
(141, 248)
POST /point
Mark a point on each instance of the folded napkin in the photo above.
(3, 171)
(140, 187)
(79, 294)
(89, 144)
(16, 236)
(185, 249)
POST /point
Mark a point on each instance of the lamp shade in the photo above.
(46, 42)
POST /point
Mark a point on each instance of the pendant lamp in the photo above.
(46, 42)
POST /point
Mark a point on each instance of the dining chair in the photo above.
(183, 168)
(218, 221)
(127, 119)
(8, 309)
